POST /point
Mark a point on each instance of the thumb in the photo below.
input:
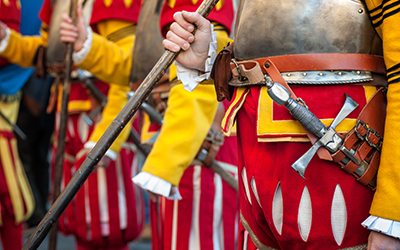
(201, 23)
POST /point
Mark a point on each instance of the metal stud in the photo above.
(289, 74)
(305, 74)
(360, 11)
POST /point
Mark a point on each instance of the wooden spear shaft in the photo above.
(59, 159)
(107, 139)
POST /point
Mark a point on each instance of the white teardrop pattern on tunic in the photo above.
(246, 185)
(277, 209)
(338, 215)
(304, 218)
(255, 191)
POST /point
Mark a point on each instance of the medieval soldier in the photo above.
(311, 43)
(323, 50)
(108, 211)
(16, 198)
(206, 214)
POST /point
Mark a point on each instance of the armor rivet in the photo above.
(360, 11)
(267, 65)
(340, 73)
(304, 74)
(288, 74)
(320, 74)
(358, 72)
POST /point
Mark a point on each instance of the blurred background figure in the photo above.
(16, 199)
(35, 121)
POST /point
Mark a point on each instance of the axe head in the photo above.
(148, 42)
(330, 140)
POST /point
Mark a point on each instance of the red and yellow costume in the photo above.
(16, 198)
(281, 210)
(108, 211)
(206, 217)
(194, 219)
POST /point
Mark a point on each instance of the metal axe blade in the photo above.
(302, 163)
(349, 106)
(330, 140)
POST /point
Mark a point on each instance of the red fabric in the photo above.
(82, 217)
(80, 93)
(11, 16)
(10, 232)
(45, 12)
(223, 16)
(162, 228)
(316, 99)
(270, 164)
(117, 10)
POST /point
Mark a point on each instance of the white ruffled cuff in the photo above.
(191, 77)
(5, 40)
(381, 225)
(157, 185)
(110, 153)
(80, 56)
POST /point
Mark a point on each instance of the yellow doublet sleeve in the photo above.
(117, 94)
(21, 50)
(109, 61)
(386, 18)
(187, 120)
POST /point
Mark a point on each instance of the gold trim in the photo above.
(266, 125)
(10, 177)
(253, 236)
(360, 247)
(23, 183)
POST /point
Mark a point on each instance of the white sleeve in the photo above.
(381, 225)
(79, 56)
(5, 40)
(190, 77)
(157, 185)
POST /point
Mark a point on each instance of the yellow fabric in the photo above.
(17, 183)
(386, 202)
(267, 126)
(21, 50)
(117, 94)
(228, 123)
(187, 120)
(109, 61)
(146, 135)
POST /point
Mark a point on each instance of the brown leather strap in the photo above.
(319, 62)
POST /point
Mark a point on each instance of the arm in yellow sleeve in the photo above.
(386, 203)
(188, 118)
(107, 60)
(117, 95)
(21, 50)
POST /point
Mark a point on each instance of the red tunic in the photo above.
(10, 14)
(116, 9)
(223, 13)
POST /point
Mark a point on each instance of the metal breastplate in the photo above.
(277, 27)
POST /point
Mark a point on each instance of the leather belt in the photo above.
(313, 62)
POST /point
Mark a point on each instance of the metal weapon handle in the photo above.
(107, 139)
(308, 120)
